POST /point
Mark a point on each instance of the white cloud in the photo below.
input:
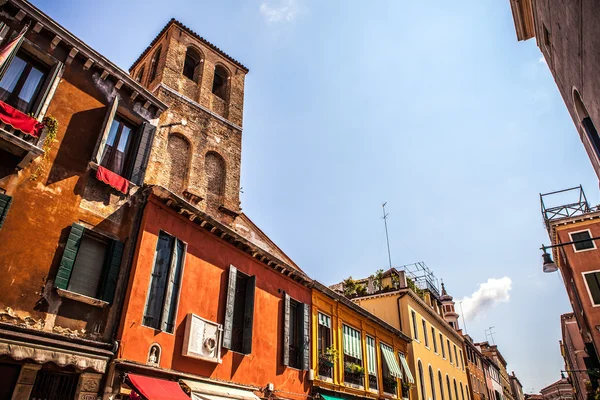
(489, 294)
(283, 11)
(542, 60)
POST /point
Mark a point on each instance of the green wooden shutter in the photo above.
(248, 315)
(167, 322)
(305, 315)
(108, 119)
(5, 202)
(158, 282)
(112, 267)
(286, 328)
(229, 307)
(146, 137)
(68, 259)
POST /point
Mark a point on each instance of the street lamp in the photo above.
(549, 265)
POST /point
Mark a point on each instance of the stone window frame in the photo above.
(199, 74)
(227, 83)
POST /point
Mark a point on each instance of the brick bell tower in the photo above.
(197, 147)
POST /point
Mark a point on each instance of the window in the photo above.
(433, 339)
(582, 238)
(547, 38)
(455, 390)
(414, 324)
(456, 356)
(191, 64)
(425, 336)
(54, 385)
(219, 88)
(116, 150)
(178, 149)
(154, 64)
(296, 333)
(432, 382)
(5, 202)
(140, 75)
(462, 393)
(448, 387)
(461, 359)
(441, 382)
(372, 362)
(442, 346)
(449, 350)
(422, 389)
(324, 333)
(163, 294)
(90, 264)
(592, 280)
(214, 169)
(239, 312)
(22, 82)
(123, 147)
(352, 355)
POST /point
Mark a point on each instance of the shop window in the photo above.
(165, 283)
(90, 264)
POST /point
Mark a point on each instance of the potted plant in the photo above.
(329, 357)
(353, 368)
(390, 380)
(406, 388)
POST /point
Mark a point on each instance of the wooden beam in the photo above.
(88, 63)
(104, 75)
(20, 15)
(147, 104)
(119, 84)
(71, 55)
(134, 95)
(37, 27)
(57, 39)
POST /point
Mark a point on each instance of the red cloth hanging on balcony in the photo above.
(113, 180)
(19, 120)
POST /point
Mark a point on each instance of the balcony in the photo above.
(390, 385)
(356, 379)
(563, 204)
(23, 145)
(325, 368)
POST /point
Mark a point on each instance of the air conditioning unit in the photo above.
(202, 339)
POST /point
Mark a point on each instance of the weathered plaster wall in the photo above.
(203, 291)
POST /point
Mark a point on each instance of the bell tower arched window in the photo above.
(220, 82)
(191, 64)
(178, 150)
(154, 64)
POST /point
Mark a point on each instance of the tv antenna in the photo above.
(387, 237)
(489, 332)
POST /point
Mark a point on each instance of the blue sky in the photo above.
(432, 106)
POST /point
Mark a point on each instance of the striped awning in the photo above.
(409, 375)
(352, 342)
(324, 320)
(390, 360)
(371, 356)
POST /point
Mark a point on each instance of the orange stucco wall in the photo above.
(203, 292)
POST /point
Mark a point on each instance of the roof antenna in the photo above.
(387, 237)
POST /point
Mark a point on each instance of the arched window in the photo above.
(455, 389)
(140, 75)
(214, 168)
(220, 82)
(432, 382)
(462, 393)
(178, 150)
(154, 64)
(422, 382)
(441, 385)
(191, 64)
(448, 387)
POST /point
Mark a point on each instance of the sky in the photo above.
(431, 106)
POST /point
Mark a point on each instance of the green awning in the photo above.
(328, 397)
(390, 360)
(352, 342)
(406, 369)
(324, 320)
(371, 356)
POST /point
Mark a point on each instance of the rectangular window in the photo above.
(582, 237)
(124, 147)
(5, 202)
(425, 336)
(90, 264)
(449, 350)
(324, 331)
(239, 312)
(456, 356)
(414, 324)
(352, 356)
(461, 359)
(163, 295)
(435, 348)
(592, 280)
(372, 362)
(22, 82)
(547, 39)
(442, 346)
(296, 333)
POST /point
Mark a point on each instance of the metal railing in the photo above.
(390, 385)
(354, 378)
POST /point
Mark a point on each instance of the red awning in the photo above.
(156, 389)
(113, 180)
(21, 121)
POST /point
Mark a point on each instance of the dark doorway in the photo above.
(50, 385)
(9, 374)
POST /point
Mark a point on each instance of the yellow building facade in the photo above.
(436, 351)
(355, 353)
